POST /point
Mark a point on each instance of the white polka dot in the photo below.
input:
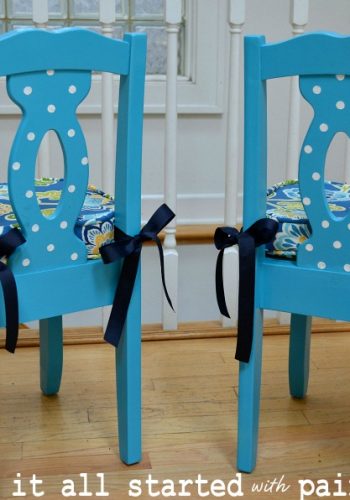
(85, 160)
(29, 194)
(340, 77)
(71, 188)
(71, 132)
(321, 265)
(347, 268)
(316, 176)
(308, 149)
(323, 127)
(64, 224)
(16, 165)
(325, 224)
(27, 90)
(50, 247)
(35, 228)
(349, 226)
(50, 72)
(306, 201)
(30, 136)
(337, 244)
(74, 256)
(25, 262)
(316, 89)
(340, 105)
(51, 108)
(72, 89)
(309, 247)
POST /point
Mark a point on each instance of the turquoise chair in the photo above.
(48, 75)
(316, 280)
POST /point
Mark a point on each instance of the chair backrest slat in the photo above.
(48, 76)
(322, 62)
(65, 49)
(309, 54)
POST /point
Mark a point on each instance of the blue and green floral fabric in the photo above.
(94, 225)
(285, 206)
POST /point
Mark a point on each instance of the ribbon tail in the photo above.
(219, 282)
(246, 297)
(122, 298)
(162, 271)
(9, 288)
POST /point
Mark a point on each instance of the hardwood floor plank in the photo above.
(66, 466)
(189, 417)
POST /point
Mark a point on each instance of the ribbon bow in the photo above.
(8, 244)
(129, 248)
(261, 232)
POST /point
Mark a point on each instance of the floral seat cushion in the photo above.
(94, 225)
(285, 206)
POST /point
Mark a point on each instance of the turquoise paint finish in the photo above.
(254, 207)
(51, 355)
(329, 245)
(299, 355)
(66, 49)
(310, 54)
(48, 75)
(255, 144)
(128, 362)
(249, 400)
(48, 101)
(318, 295)
(128, 215)
(312, 285)
(76, 288)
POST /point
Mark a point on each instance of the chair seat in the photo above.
(94, 226)
(284, 205)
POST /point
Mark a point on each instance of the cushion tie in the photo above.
(129, 248)
(261, 232)
(8, 244)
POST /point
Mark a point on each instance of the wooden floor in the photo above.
(189, 418)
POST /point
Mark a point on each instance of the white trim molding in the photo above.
(192, 208)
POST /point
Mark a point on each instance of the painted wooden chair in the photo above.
(48, 74)
(313, 276)
(312, 284)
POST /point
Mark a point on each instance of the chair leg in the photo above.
(51, 354)
(249, 401)
(128, 359)
(299, 354)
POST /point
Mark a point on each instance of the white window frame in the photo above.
(199, 92)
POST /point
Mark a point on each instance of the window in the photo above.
(131, 15)
(201, 55)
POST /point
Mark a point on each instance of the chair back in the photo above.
(322, 62)
(48, 75)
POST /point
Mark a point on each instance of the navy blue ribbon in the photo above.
(129, 248)
(261, 232)
(8, 244)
